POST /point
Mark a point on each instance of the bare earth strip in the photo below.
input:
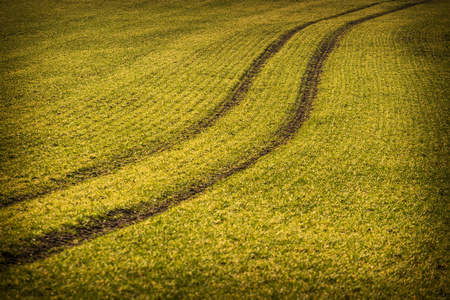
(55, 242)
(133, 155)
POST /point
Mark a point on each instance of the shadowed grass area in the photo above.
(355, 206)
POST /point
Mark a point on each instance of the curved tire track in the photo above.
(55, 242)
(133, 155)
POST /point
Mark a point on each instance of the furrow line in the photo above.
(57, 241)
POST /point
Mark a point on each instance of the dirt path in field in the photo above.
(57, 241)
(133, 155)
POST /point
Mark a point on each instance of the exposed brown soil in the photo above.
(54, 242)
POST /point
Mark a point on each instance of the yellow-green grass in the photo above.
(356, 205)
(86, 85)
(237, 137)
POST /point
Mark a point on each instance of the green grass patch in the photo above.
(86, 84)
(239, 136)
(356, 205)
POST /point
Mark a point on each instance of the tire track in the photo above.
(56, 241)
(133, 155)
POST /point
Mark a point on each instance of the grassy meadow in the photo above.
(118, 106)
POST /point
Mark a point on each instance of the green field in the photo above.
(219, 149)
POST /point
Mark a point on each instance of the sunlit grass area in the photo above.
(236, 137)
(88, 85)
(355, 205)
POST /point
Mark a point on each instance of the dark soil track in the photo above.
(54, 242)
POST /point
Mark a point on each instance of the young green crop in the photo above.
(356, 205)
(233, 140)
(88, 88)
